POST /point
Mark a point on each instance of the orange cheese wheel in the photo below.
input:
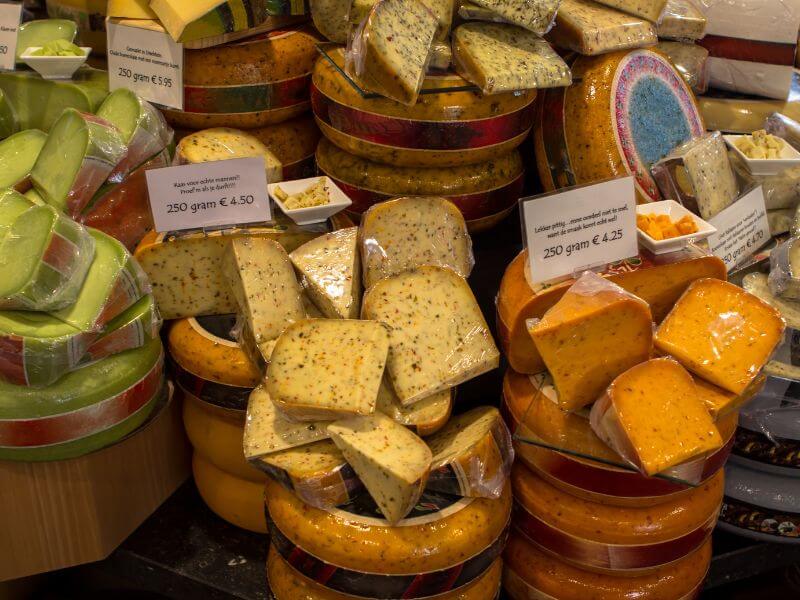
(238, 501)
(531, 574)
(658, 280)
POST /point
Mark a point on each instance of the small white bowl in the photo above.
(313, 214)
(676, 212)
(54, 67)
(790, 157)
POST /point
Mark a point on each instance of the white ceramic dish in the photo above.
(313, 214)
(790, 157)
(676, 212)
(54, 67)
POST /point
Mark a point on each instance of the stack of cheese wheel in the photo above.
(215, 378)
(456, 144)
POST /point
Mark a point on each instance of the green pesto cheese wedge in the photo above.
(34, 196)
(41, 31)
(8, 118)
(135, 327)
(12, 205)
(18, 154)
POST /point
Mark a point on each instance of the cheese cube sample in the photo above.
(504, 58)
(647, 9)
(424, 417)
(405, 233)
(534, 15)
(721, 333)
(472, 455)
(389, 51)
(266, 430)
(589, 28)
(721, 403)
(438, 337)
(330, 266)
(653, 417)
(328, 368)
(392, 462)
(595, 332)
(784, 270)
(681, 20)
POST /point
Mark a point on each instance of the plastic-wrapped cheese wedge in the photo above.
(434, 344)
(18, 154)
(721, 403)
(503, 58)
(78, 156)
(646, 9)
(652, 416)
(441, 56)
(405, 233)
(589, 28)
(307, 378)
(330, 18)
(594, 332)
(721, 333)
(133, 328)
(535, 15)
(690, 62)
(443, 11)
(472, 12)
(425, 417)
(784, 270)
(681, 20)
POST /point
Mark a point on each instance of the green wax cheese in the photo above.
(133, 328)
(42, 31)
(123, 109)
(12, 205)
(34, 196)
(8, 119)
(18, 154)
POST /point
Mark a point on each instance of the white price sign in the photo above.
(147, 62)
(10, 16)
(580, 228)
(210, 194)
(742, 229)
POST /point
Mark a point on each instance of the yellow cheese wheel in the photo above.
(239, 501)
(287, 583)
(531, 574)
(89, 15)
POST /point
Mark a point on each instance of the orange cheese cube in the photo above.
(595, 332)
(721, 403)
(721, 333)
(653, 416)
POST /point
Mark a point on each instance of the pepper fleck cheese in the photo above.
(647, 9)
(536, 16)
(682, 20)
(425, 417)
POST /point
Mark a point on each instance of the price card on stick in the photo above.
(580, 228)
(10, 16)
(210, 194)
(742, 229)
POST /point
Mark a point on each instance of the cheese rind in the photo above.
(646, 9)
(425, 417)
(721, 333)
(681, 20)
(652, 416)
(438, 336)
(535, 15)
(392, 462)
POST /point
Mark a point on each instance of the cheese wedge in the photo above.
(472, 455)
(721, 333)
(130, 9)
(594, 333)
(392, 462)
(405, 233)
(330, 18)
(536, 15)
(438, 338)
(443, 11)
(647, 9)
(12, 206)
(327, 368)
(425, 417)
(721, 403)
(681, 20)
(654, 418)
(18, 154)
(330, 267)
(133, 328)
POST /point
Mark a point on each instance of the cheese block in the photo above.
(114, 282)
(316, 473)
(240, 502)
(758, 285)
(389, 50)
(594, 140)
(479, 191)
(455, 541)
(223, 143)
(699, 175)
(472, 455)
(721, 333)
(90, 17)
(293, 143)
(784, 273)
(653, 417)
(446, 128)
(589, 28)
(130, 9)
(392, 462)
(406, 233)
(658, 280)
(330, 267)
(330, 19)
(288, 583)
(610, 538)
(250, 83)
(529, 572)
(307, 378)
(185, 268)
(681, 20)
(18, 154)
(435, 344)
(135, 327)
(536, 16)
(595, 332)
(41, 31)
(690, 61)
(719, 402)
(646, 9)
(425, 417)
(503, 58)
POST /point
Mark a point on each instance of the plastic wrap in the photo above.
(18, 154)
(257, 353)
(472, 12)
(502, 58)
(135, 327)
(681, 20)
(405, 233)
(780, 221)
(425, 417)
(593, 333)
(784, 273)
(771, 423)
(699, 175)
(690, 61)
(435, 344)
(785, 128)
(588, 28)
(537, 16)
(441, 57)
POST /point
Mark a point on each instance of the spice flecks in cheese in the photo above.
(646, 9)
(424, 417)
(330, 18)
(681, 20)
(534, 15)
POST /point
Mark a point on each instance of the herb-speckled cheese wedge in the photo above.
(646, 9)
(472, 12)
(721, 403)
(330, 18)
(681, 20)
(503, 58)
(443, 10)
(534, 15)
(330, 266)
(392, 462)
(438, 338)
(308, 378)
(425, 417)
